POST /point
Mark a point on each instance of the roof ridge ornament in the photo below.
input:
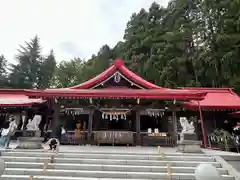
(118, 62)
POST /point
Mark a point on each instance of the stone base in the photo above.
(29, 143)
(189, 146)
(191, 137)
(188, 136)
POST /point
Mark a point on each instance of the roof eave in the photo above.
(124, 95)
(195, 106)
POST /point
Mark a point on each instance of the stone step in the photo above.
(108, 161)
(102, 174)
(100, 167)
(112, 156)
(110, 152)
(26, 177)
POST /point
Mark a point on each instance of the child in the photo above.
(53, 144)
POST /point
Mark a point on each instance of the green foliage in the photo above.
(188, 43)
(3, 72)
(68, 73)
(224, 138)
(32, 69)
(47, 69)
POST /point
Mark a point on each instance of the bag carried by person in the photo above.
(5, 132)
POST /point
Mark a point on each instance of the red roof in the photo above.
(177, 94)
(216, 98)
(7, 100)
(118, 65)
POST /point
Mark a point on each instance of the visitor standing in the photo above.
(12, 129)
(4, 134)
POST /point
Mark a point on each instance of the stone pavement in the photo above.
(123, 149)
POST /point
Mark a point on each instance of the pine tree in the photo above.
(3, 72)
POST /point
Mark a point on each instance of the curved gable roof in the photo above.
(118, 65)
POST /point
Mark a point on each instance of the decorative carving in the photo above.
(186, 126)
(117, 78)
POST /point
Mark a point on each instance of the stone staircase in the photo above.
(21, 164)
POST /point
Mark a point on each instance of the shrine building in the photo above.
(119, 107)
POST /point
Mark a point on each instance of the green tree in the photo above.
(25, 73)
(76, 71)
(32, 70)
(137, 48)
(3, 72)
(68, 73)
(47, 69)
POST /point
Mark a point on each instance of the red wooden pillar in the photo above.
(202, 126)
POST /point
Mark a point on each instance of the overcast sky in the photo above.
(72, 28)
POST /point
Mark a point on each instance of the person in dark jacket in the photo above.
(53, 144)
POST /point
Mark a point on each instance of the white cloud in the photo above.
(69, 27)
